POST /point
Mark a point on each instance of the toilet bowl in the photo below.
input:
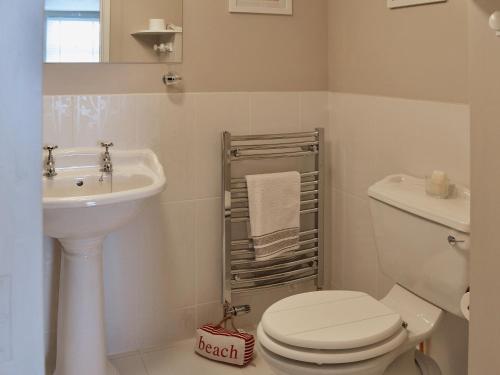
(411, 363)
(345, 332)
(422, 244)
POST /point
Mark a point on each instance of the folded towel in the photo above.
(274, 204)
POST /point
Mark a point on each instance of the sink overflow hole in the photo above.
(79, 183)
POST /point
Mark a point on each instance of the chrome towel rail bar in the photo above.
(245, 210)
(249, 251)
(244, 219)
(244, 199)
(303, 185)
(263, 137)
(303, 176)
(274, 267)
(241, 272)
(275, 146)
(278, 155)
(276, 276)
(255, 263)
(247, 242)
(276, 285)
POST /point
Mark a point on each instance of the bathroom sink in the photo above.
(81, 201)
(81, 205)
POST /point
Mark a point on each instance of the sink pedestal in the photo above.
(81, 333)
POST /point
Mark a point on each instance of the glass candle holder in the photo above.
(441, 190)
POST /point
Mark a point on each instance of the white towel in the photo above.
(274, 204)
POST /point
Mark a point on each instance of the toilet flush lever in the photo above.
(452, 240)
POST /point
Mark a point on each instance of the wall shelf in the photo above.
(156, 32)
(163, 41)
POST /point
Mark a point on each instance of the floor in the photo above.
(180, 359)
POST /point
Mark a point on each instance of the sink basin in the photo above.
(81, 205)
(81, 201)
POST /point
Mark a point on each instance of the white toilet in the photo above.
(345, 332)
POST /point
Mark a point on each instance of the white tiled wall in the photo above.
(162, 271)
(372, 137)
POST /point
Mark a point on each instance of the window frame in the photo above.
(70, 15)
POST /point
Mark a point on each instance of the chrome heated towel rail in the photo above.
(252, 154)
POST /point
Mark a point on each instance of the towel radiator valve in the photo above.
(236, 310)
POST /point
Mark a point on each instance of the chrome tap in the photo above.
(107, 166)
(50, 164)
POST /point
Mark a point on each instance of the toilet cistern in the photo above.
(423, 246)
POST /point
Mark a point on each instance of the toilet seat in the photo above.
(330, 320)
(331, 327)
(330, 357)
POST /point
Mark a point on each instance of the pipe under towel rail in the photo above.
(241, 272)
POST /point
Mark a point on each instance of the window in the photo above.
(72, 36)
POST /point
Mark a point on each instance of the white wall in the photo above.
(21, 345)
(162, 275)
(484, 57)
(416, 53)
(163, 271)
(373, 137)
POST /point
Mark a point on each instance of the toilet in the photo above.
(423, 245)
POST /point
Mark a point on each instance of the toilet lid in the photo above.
(330, 320)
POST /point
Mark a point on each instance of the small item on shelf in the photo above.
(157, 24)
(218, 343)
(174, 28)
(163, 47)
(438, 185)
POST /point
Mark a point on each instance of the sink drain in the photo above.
(79, 183)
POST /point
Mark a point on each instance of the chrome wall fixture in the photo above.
(107, 165)
(50, 164)
(171, 79)
(253, 154)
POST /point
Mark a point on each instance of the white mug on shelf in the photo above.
(157, 24)
(495, 22)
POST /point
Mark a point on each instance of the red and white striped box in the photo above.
(223, 345)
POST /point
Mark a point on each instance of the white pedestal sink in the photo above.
(81, 206)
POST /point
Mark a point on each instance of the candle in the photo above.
(438, 184)
(438, 178)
